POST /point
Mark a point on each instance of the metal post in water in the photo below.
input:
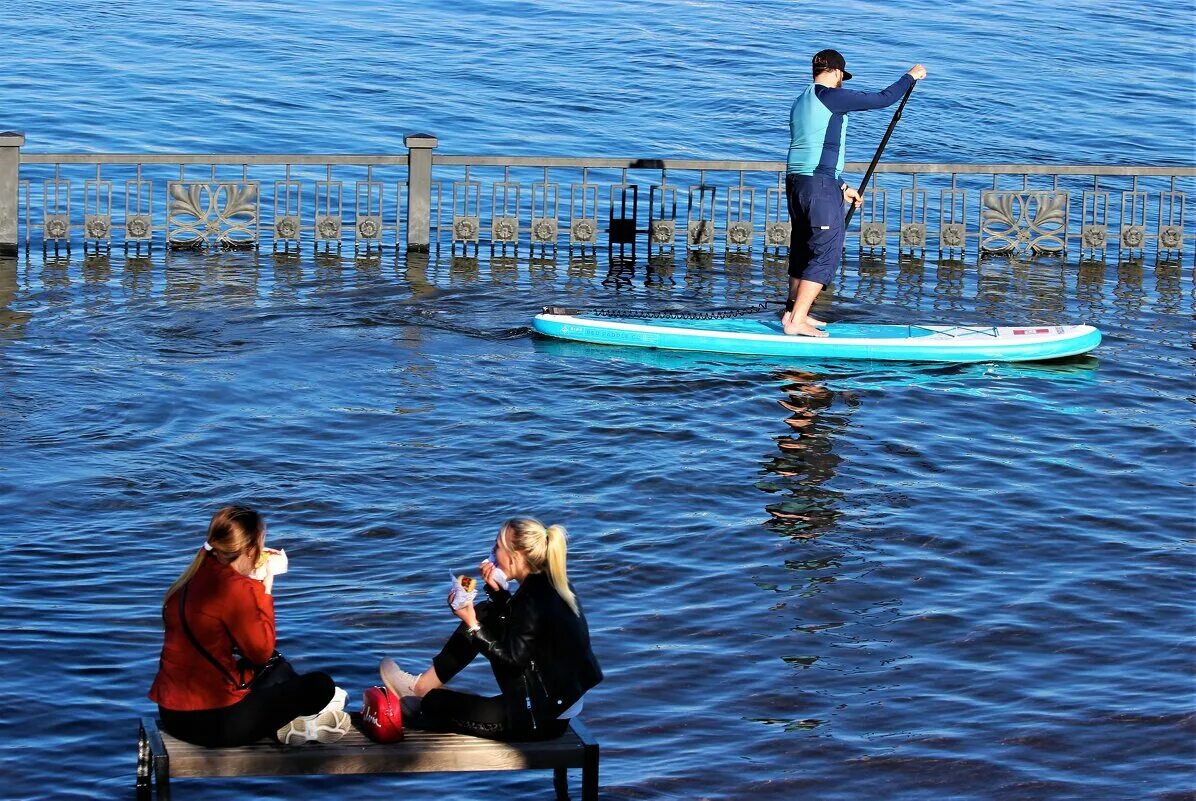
(419, 189)
(10, 168)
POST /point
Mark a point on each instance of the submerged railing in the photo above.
(419, 200)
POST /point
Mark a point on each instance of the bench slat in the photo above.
(418, 752)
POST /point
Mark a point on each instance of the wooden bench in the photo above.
(165, 757)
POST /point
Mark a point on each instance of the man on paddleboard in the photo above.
(814, 185)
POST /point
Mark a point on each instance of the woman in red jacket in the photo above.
(215, 613)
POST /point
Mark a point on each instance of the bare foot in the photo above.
(815, 322)
(802, 330)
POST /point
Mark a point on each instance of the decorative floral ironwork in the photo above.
(777, 234)
(56, 227)
(465, 229)
(663, 232)
(1171, 237)
(544, 230)
(138, 226)
(368, 228)
(286, 228)
(203, 212)
(1094, 237)
(584, 230)
(505, 229)
(739, 233)
(701, 232)
(913, 235)
(953, 235)
(328, 227)
(1133, 236)
(97, 226)
(872, 234)
(1023, 221)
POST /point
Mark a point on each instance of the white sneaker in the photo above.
(326, 727)
(339, 697)
(397, 680)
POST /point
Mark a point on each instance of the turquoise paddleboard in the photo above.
(755, 337)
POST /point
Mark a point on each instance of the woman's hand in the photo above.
(487, 569)
(466, 613)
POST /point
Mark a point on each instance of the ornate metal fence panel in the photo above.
(330, 211)
(874, 220)
(288, 211)
(467, 211)
(1023, 222)
(1094, 222)
(504, 219)
(741, 210)
(367, 212)
(1133, 222)
(97, 211)
(662, 217)
(212, 212)
(699, 215)
(56, 211)
(546, 212)
(139, 211)
(912, 219)
(583, 213)
(1171, 222)
(953, 215)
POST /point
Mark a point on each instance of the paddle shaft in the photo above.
(876, 159)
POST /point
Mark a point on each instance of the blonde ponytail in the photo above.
(545, 550)
(558, 546)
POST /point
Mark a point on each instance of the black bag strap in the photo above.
(191, 636)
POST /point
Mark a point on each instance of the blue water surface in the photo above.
(832, 581)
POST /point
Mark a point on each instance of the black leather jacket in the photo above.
(533, 635)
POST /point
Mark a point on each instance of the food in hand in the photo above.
(270, 562)
(465, 589)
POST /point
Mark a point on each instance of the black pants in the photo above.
(499, 717)
(257, 715)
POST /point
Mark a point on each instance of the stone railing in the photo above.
(420, 200)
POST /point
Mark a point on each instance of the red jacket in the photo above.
(224, 609)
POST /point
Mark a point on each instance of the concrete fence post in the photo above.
(419, 189)
(10, 184)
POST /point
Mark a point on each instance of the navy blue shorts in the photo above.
(816, 211)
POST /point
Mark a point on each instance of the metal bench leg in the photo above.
(143, 788)
(589, 774)
(162, 777)
(560, 782)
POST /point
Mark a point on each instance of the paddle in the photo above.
(884, 141)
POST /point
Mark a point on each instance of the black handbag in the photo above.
(276, 669)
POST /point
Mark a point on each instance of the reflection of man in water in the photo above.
(813, 182)
(807, 460)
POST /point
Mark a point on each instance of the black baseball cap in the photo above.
(830, 60)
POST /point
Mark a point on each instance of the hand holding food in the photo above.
(270, 562)
(464, 590)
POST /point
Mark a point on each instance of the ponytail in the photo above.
(558, 545)
(545, 550)
(234, 530)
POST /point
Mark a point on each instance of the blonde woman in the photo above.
(536, 640)
(219, 633)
